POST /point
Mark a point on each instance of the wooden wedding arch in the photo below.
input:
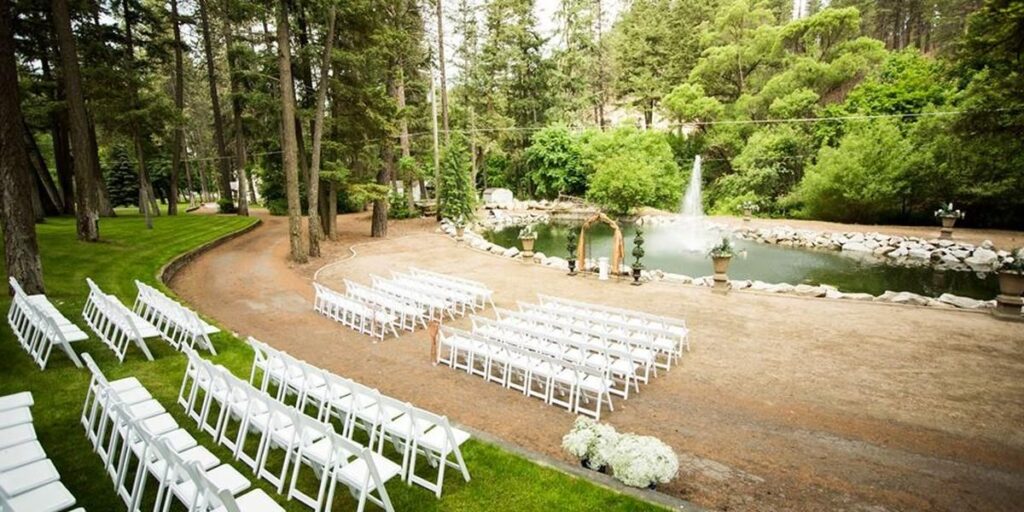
(618, 247)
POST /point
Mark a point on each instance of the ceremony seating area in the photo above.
(566, 353)
(115, 324)
(39, 326)
(292, 407)
(29, 481)
(138, 440)
(406, 301)
(178, 325)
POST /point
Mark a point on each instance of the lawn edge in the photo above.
(169, 270)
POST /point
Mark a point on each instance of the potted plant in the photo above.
(460, 227)
(527, 236)
(570, 247)
(1011, 284)
(591, 442)
(721, 254)
(643, 461)
(749, 208)
(638, 253)
(948, 215)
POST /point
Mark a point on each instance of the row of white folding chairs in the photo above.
(628, 364)
(437, 307)
(216, 399)
(558, 345)
(39, 326)
(29, 482)
(459, 300)
(480, 291)
(555, 381)
(372, 321)
(412, 431)
(666, 343)
(304, 440)
(177, 324)
(408, 314)
(673, 328)
(115, 324)
(136, 438)
(641, 349)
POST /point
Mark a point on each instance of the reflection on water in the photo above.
(770, 263)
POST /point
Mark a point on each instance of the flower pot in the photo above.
(527, 247)
(572, 267)
(721, 263)
(746, 214)
(636, 276)
(1009, 300)
(946, 233)
(721, 266)
(459, 232)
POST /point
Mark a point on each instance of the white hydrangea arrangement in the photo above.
(643, 461)
(591, 442)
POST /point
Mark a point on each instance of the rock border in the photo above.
(504, 220)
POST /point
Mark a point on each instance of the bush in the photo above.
(642, 461)
(277, 206)
(862, 180)
(228, 206)
(457, 196)
(122, 180)
(591, 442)
(398, 207)
(555, 163)
(632, 168)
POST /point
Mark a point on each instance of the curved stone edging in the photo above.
(171, 268)
(946, 301)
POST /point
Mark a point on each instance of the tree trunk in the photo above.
(236, 111)
(106, 209)
(87, 167)
(441, 68)
(188, 179)
(147, 203)
(437, 151)
(318, 130)
(51, 201)
(289, 145)
(224, 180)
(332, 211)
(179, 105)
(21, 251)
(63, 161)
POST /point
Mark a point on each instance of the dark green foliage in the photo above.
(556, 164)
(571, 241)
(458, 198)
(638, 247)
(122, 178)
(398, 207)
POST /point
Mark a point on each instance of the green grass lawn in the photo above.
(501, 480)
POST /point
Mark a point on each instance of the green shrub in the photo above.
(399, 207)
(228, 206)
(277, 206)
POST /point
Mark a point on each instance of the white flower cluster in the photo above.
(591, 441)
(638, 461)
(641, 461)
(948, 211)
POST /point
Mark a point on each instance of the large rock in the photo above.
(678, 278)
(960, 302)
(511, 252)
(982, 259)
(807, 290)
(780, 288)
(857, 296)
(921, 254)
(853, 246)
(556, 262)
(912, 299)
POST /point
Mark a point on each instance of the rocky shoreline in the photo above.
(880, 246)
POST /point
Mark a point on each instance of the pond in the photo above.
(765, 262)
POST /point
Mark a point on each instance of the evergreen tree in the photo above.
(122, 179)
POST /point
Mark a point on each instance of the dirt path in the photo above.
(784, 402)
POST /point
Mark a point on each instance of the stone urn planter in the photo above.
(460, 232)
(572, 267)
(1009, 300)
(746, 214)
(636, 276)
(721, 255)
(948, 221)
(527, 247)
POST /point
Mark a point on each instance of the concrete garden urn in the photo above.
(721, 279)
(746, 214)
(1009, 300)
(948, 221)
(460, 231)
(527, 247)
